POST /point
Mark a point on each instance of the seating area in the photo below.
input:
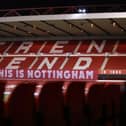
(52, 100)
(56, 104)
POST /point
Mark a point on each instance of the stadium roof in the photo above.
(16, 25)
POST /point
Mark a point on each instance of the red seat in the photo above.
(2, 88)
(95, 103)
(113, 97)
(75, 104)
(51, 105)
(21, 105)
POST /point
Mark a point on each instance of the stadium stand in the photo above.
(68, 70)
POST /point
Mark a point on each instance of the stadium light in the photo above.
(83, 10)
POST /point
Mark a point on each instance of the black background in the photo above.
(8, 4)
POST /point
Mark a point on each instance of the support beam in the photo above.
(65, 17)
(63, 38)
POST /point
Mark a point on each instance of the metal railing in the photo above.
(63, 9)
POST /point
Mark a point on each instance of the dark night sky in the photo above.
(6, 4)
